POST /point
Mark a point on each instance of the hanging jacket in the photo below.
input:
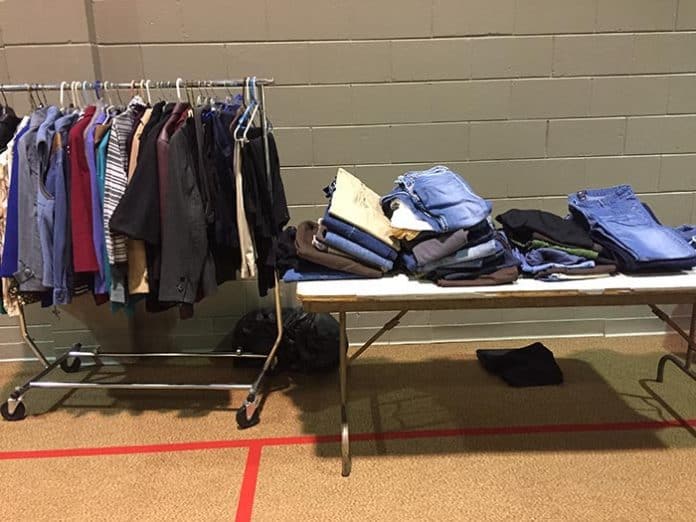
(32, 158)
(187, 264)
(84, 255)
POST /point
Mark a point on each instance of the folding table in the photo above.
(401, 294)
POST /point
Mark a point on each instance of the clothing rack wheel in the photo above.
(13, 410)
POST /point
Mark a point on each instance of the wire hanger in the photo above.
(85, 101)
(5, 105)
(32, 101)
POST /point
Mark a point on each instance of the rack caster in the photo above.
(71, 366)
(248, 414)
(18, 413)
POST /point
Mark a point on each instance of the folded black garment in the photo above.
(533, 365)
(520, 225)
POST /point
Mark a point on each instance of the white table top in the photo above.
(402, 288)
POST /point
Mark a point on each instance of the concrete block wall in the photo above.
(527, 99)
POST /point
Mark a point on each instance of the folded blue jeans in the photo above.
(472, 253)
(354, 250)
(439, 197)
(529, 268)
(362, 238)
(619, 221)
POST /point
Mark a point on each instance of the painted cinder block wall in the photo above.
(528, 99)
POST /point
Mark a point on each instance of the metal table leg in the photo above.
(683, 365)
(343, 372)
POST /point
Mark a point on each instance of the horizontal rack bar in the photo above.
(135, 386)
(135, 84)
(206, 355)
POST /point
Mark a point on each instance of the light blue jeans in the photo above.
(439, 197)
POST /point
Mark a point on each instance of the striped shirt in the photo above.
(116, 176)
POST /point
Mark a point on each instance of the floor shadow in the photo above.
(387, 396)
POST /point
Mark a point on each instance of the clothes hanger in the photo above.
(6, 105)
(73, 98)
(199, 98)
(179, 81)
(147, 90)
(32, 102)
(255, 102)
(83, 94)
(61, 97)
(246, 98)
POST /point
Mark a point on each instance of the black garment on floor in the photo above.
(533, 365)
(520, 226)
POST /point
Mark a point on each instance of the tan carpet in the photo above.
(597, 475)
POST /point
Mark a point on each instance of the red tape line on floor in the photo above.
(322, 439)
(248, 491)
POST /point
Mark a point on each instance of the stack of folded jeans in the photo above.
(335, 235)
(446, 233)
(354, 229)
(550, 247)
(628, 230)
(297, 261)
(318, 264)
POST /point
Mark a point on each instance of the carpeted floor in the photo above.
(609, 444)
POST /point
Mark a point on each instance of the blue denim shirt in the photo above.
(55, 188)
(29, 272)
(8, 267)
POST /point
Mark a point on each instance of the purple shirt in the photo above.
(97, 229)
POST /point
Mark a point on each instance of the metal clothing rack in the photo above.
(71, 361)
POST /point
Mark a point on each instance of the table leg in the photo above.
(343, 371)
(685, 365)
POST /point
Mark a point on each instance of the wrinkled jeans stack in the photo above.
(453, 242)
(629, 232)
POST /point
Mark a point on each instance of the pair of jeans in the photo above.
(540, 261)
(353, 249)
(619, 221)
(439, 197)
(465, 255)
(354, 234)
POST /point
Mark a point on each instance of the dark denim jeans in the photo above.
(347, 231)
(620, 222)
(356, 251)
(439, 197)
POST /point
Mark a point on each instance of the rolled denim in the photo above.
(541, 256)
(528, 268)
(465, 254)
(348, 231)
(354, 250)
(621, 223)
(439, 197)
